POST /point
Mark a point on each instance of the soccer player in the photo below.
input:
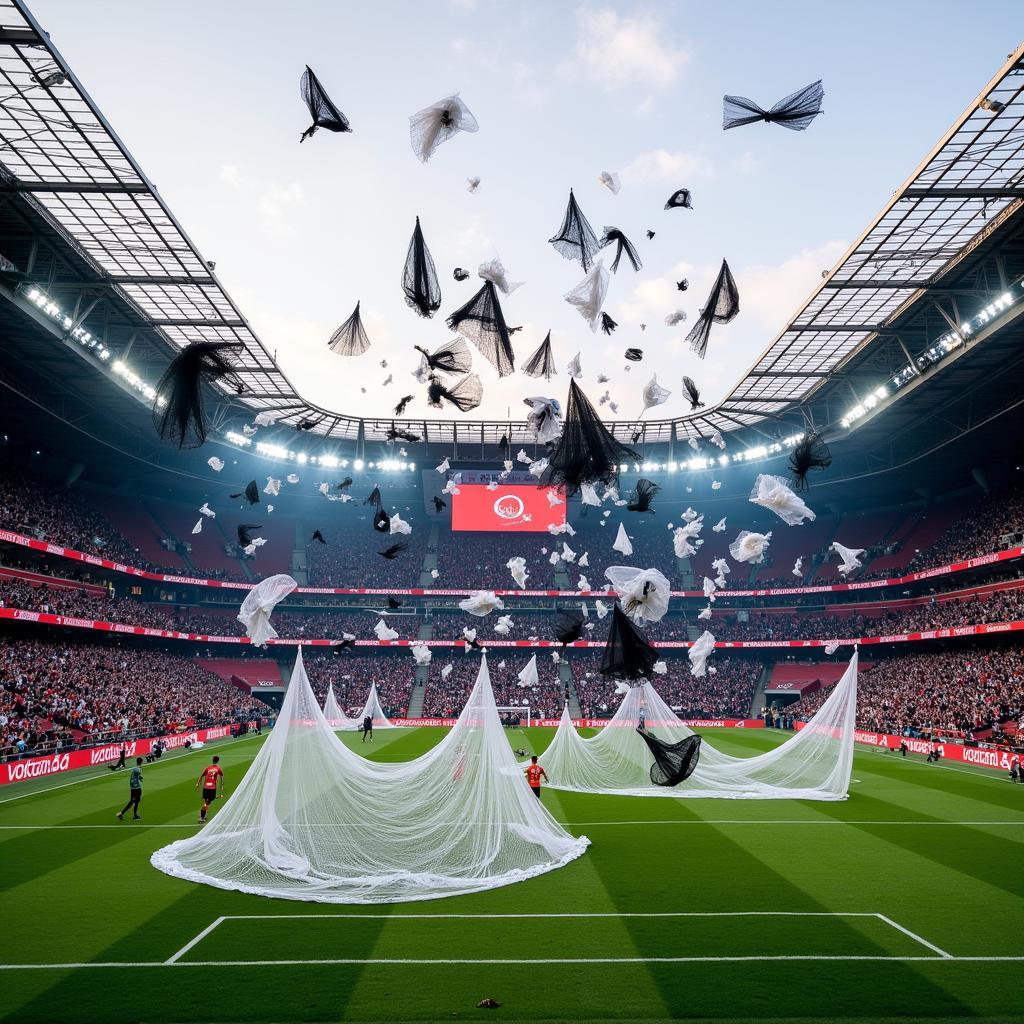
(368, 728)
(212, 780)
(134, 791)
(534, 773)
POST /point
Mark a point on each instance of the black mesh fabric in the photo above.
(810, 453)
(673, 762)
(542, 362)
(568, 625)
(483, 323)
(244, 532)
(305, 425)
(324, 113)
(576, 239)
(439, 504)
(318, 536)
(419, 278)
(465, 394)
(178, 411)
(346, 483)
(394, 603)
(722, 305)
(381, 522)
(452, 357)
(682, 285)
(613, 236)
(587, 452)
(392, 551)
(607, 323)
(634, 355)
(627, 654)
(397, 434)
(251, 493)
(795, 111)
(460, 275)
(643, 496)
(680, 198)
(692, 394)
(350, 339)
(403, 404)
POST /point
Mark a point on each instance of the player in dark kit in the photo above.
(368, 728)
(212, 780)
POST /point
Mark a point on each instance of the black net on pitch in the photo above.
(613, 236)
(722, 305)
(419, 278)
(483, 323)
(795, 111)
(587, 452)
(323, 111)
(178, 411)
(542, 362)
(627, 653)
(350, 339)
(451, 357)
(673, 762)
(465, 394)
(576, 239)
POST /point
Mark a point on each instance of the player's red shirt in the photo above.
(210, 776)
(533, 774)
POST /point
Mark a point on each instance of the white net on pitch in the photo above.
(815, 764)
(336, 718)
(373, 710)
(311, 820)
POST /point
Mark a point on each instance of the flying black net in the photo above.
(419, 278)
(795, 111)
(403, 404)
(613, 236)
(680, 198)
(178, 411)
(673, 762)
(483, 323)
(439, 504)
(587, 452)
(542, 362)
(251, 493)
(607, 323)
(465, 394)
(692, 393)
(576, 239)
(323, 111)
(810, 453)
(722, 305)
(398, 434)
(451, 357)
(627, 654)
(392, 551)
(643, 496)
(350, 339)
(568, 625)
(634, 355)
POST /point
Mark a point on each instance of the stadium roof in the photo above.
(126, 251)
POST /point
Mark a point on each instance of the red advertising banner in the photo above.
(518, 508)
(832, 588)
(46, 619)
(37, 767)
(599, 723)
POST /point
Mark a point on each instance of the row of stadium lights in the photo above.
(276, 451)
(936, 353)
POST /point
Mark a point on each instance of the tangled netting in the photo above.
(178, 411)
(613, 236)
(350, 339)
(483, 323)
(586, 453)
(627, 652)
(814, 764)
(542, 362)
(439, 122)
(323, 111)
(673, 762)
(811, 452)
(419, 277)
(451, 357)
(795, 111)
(314, 821)
(575, 239)
(340, 722)
(465, 394)
(722, 305)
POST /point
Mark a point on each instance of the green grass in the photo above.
(936, 850)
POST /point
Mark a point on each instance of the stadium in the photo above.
(691, 690)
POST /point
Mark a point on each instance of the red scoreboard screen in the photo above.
(510, 508)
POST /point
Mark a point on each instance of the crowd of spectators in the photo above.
(446, 695)
(351, 675)
(964, 691)
(56, 692)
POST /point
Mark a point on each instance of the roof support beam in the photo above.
(824, 328)
(984, 192)
(790, 373)
(197, 323)
(73, 186)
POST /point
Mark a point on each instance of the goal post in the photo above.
(510, 713)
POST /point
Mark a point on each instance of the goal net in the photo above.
(515, 715)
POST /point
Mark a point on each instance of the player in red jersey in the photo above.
(534, 773)
(212, 780)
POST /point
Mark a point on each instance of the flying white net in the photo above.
(311, 820)
(336, 718)
(814, 764)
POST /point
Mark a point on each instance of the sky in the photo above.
(206, 97)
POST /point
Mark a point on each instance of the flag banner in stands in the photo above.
(519, 508)
(10, 537)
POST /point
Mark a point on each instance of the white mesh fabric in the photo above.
(336, 718)
(311, 820)
(373, 709)
(814, 764)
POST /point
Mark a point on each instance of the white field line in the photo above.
(917, 938)
(197, 939)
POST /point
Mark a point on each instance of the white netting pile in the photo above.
(373, 710)
(336, 718)
(311, 820)
(814, 764)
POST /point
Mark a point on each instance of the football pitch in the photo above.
(904, 902)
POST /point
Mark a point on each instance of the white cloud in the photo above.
(666, 165)
(619, 51)
(274, 202)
